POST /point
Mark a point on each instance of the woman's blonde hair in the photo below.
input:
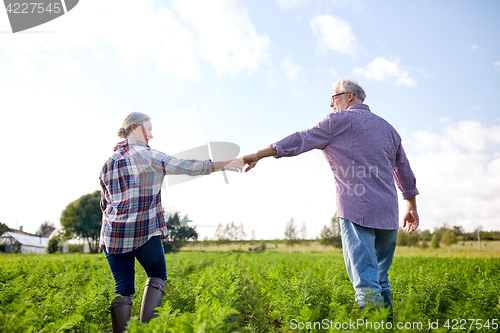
(136, 118)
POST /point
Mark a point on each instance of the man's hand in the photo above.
(250, 161)
(411, 216)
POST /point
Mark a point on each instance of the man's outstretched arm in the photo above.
(252, 159)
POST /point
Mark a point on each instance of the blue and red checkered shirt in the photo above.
(131, 183)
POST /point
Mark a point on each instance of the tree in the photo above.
(262, 245)
(179, 232)
(402, 239)
(240, 235)
(220, 236)
(413, 239)
(44, 227)
(82, 219)
(241, 232)
(290, 234)
(252, 238)
(449, 238)
(436, 238)
(3, 228)
(276, 243)
(458, 230)
(425, 235)
(231, 232)
(336, 232)
(331, 235)
(53, 246)
(326, 236)
(303, 236)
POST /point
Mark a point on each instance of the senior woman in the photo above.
(133, 223)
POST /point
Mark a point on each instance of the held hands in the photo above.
(240, 164)
(250, 161)
(235, 165)
(232, 165)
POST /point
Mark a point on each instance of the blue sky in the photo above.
(251, 73)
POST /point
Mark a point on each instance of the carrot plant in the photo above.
(249, 292)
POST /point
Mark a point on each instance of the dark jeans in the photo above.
(151, 257)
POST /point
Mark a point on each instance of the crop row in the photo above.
(243, 292)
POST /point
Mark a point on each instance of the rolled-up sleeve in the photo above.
(176, 166)
(403, 175)
(103, 203)
(317, 137)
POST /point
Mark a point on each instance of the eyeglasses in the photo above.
(333, 97)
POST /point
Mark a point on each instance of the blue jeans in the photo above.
(368, 254)
(151, 257)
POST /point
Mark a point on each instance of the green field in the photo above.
(467, 249)
(250, 292)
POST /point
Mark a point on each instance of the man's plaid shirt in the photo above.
(131, 183)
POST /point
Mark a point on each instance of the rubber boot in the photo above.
(386, 294)
(121, 310)
(153, 292)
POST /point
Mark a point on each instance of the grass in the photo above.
(469, 249)
(244, 292)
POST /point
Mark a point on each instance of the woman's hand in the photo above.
(232, 165)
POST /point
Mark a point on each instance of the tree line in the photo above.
(81, 219)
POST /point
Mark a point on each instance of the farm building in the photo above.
(19, 243)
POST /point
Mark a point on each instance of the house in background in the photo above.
(22, 242)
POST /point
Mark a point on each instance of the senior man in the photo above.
(367, 159)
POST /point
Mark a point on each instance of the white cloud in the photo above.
(143, 32)
(98, 55)
(496, 64)
(288, 4)
(135, 32)
(382, 69)
(57, 133)
(65, 67)
(473, 47)
(333, 72)
(291, 69)
(334, 34)
(225, 34)
(458, 175)
(176, 39)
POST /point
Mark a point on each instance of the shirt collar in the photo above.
(129, 142)
(136, 142)
(359, 107)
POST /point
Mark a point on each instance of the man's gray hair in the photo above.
(136, 118)
(345, 85)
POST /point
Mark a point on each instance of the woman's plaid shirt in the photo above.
(131, 183)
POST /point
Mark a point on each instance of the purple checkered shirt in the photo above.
(131, 183)
(366, 156)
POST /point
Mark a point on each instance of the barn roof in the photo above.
(27, 240)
